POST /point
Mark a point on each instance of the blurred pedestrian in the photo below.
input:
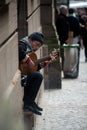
(84, 34)
(62, 27)
(74, 26)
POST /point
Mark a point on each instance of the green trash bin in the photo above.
(71, 60)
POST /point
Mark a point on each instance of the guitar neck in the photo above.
(43, 59)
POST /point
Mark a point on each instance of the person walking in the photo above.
(84, 34)
(62, 27)
(74, 26)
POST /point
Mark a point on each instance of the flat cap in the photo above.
(37, 36)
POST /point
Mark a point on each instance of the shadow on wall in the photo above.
(9, 121)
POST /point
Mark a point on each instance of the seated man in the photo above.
(33, 80)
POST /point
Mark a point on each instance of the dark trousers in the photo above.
(62, 58)
(62, 54)
(85, 46)
(33, 83)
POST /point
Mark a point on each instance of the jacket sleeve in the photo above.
(21, 50)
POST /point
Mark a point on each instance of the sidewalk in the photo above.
(66, 108)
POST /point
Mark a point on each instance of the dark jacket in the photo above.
(24, 48)
(74, 25)
(62, 27)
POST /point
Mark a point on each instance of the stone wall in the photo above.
(10, 89)
(19, 18)
(34, 16)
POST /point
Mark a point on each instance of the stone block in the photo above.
(8, 20)
(46, 15)
(11, 104)
(32, 6)
(34, 22)
(9, 62)
(54, 79)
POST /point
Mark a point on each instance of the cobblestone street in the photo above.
(66, 108)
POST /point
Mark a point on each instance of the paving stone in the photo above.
(66, 108)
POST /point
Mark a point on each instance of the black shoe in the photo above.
(30, 108)
(37, 107)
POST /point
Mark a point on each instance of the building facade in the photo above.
(19, 18)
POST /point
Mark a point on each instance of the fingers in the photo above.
(53, 58)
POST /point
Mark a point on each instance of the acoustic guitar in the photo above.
(24, 66)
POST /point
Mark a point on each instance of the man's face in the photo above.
(65, 11)
(35, 45)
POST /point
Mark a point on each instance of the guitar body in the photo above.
(24, 66)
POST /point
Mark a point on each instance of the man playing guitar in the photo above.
(31, 81)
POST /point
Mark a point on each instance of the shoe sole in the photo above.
(28, 113)
(31, 113)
